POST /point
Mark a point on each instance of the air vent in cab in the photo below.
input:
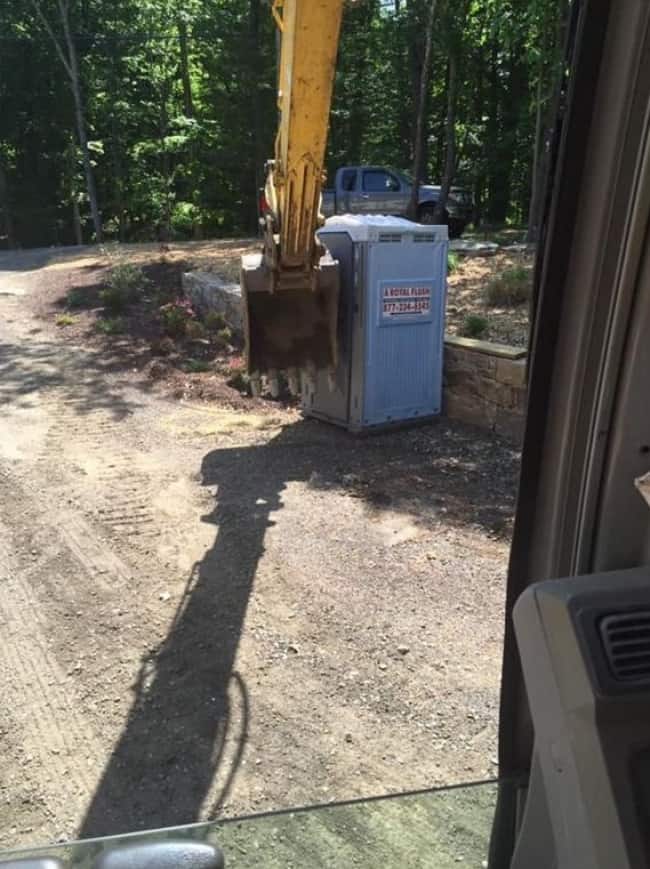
(626, 637)
(394, 237)
(419, 239)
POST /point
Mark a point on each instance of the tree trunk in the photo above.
(118, 181)
(71, 66)
(257, 175)
(165, 230)
(118, 203)
(492, 126)
(478, 159)
(188, 109)
(544, 120)
(450, 140)
(76, 221)
(7, 225)
(188, 99)
(418, 147)
(401, 73)
(358, 124)
(536, 179)
(85, 154)
(81, 120)
(501, 157)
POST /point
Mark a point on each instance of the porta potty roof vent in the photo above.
(626, 637)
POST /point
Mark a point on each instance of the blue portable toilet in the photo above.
(391, 323)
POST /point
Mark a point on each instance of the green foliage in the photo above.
(180, 102)
(214, 321)
(474, 326)
(452, 262)
(185, 217)
(76, 298)
(175, 317)
(194, 330)
(197, 366)
(224, 337)
(163, 346)
(124, 286)
(66, 320)
(511, 288)
(237, 376)
(111, 325)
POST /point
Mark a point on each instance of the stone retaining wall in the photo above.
(485, 384)
(208, 292)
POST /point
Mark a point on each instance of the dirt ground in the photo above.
(209, 609)
(141, 337)
(466, 295)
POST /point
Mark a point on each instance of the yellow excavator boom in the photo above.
(310, 39)
(291, 288)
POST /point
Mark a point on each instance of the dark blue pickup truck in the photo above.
(377, 190)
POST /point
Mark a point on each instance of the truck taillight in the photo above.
(263, 204)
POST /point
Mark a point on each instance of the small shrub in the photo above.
(110, 325)
(238, 377)
(65, 320)
(223, 337)
(214, 321)
(195, 330)
(512, 287)
(474, 326)
(163, 346)
(452, 262)
(184, 218)
(75, 298)
(124, 286)
(197, 366)
(163, 295)
(175, 316)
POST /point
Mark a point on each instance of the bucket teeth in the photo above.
(273, 381)
(309, 377)
(256, 384)
(293, 380)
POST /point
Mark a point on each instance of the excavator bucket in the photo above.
(294, 326)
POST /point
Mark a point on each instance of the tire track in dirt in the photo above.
(56, 570)
(61, 588)
(84, 440)
(127, 501)
(54, 733)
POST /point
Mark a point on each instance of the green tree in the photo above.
(66, 50)
(139, 119)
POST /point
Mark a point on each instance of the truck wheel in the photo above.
(426, 215)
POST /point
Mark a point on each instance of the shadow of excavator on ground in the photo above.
(172, 748)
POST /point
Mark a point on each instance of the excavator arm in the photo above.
(291, 287)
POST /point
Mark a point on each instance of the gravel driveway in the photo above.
(205, 611)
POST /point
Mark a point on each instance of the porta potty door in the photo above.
(405, 289)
